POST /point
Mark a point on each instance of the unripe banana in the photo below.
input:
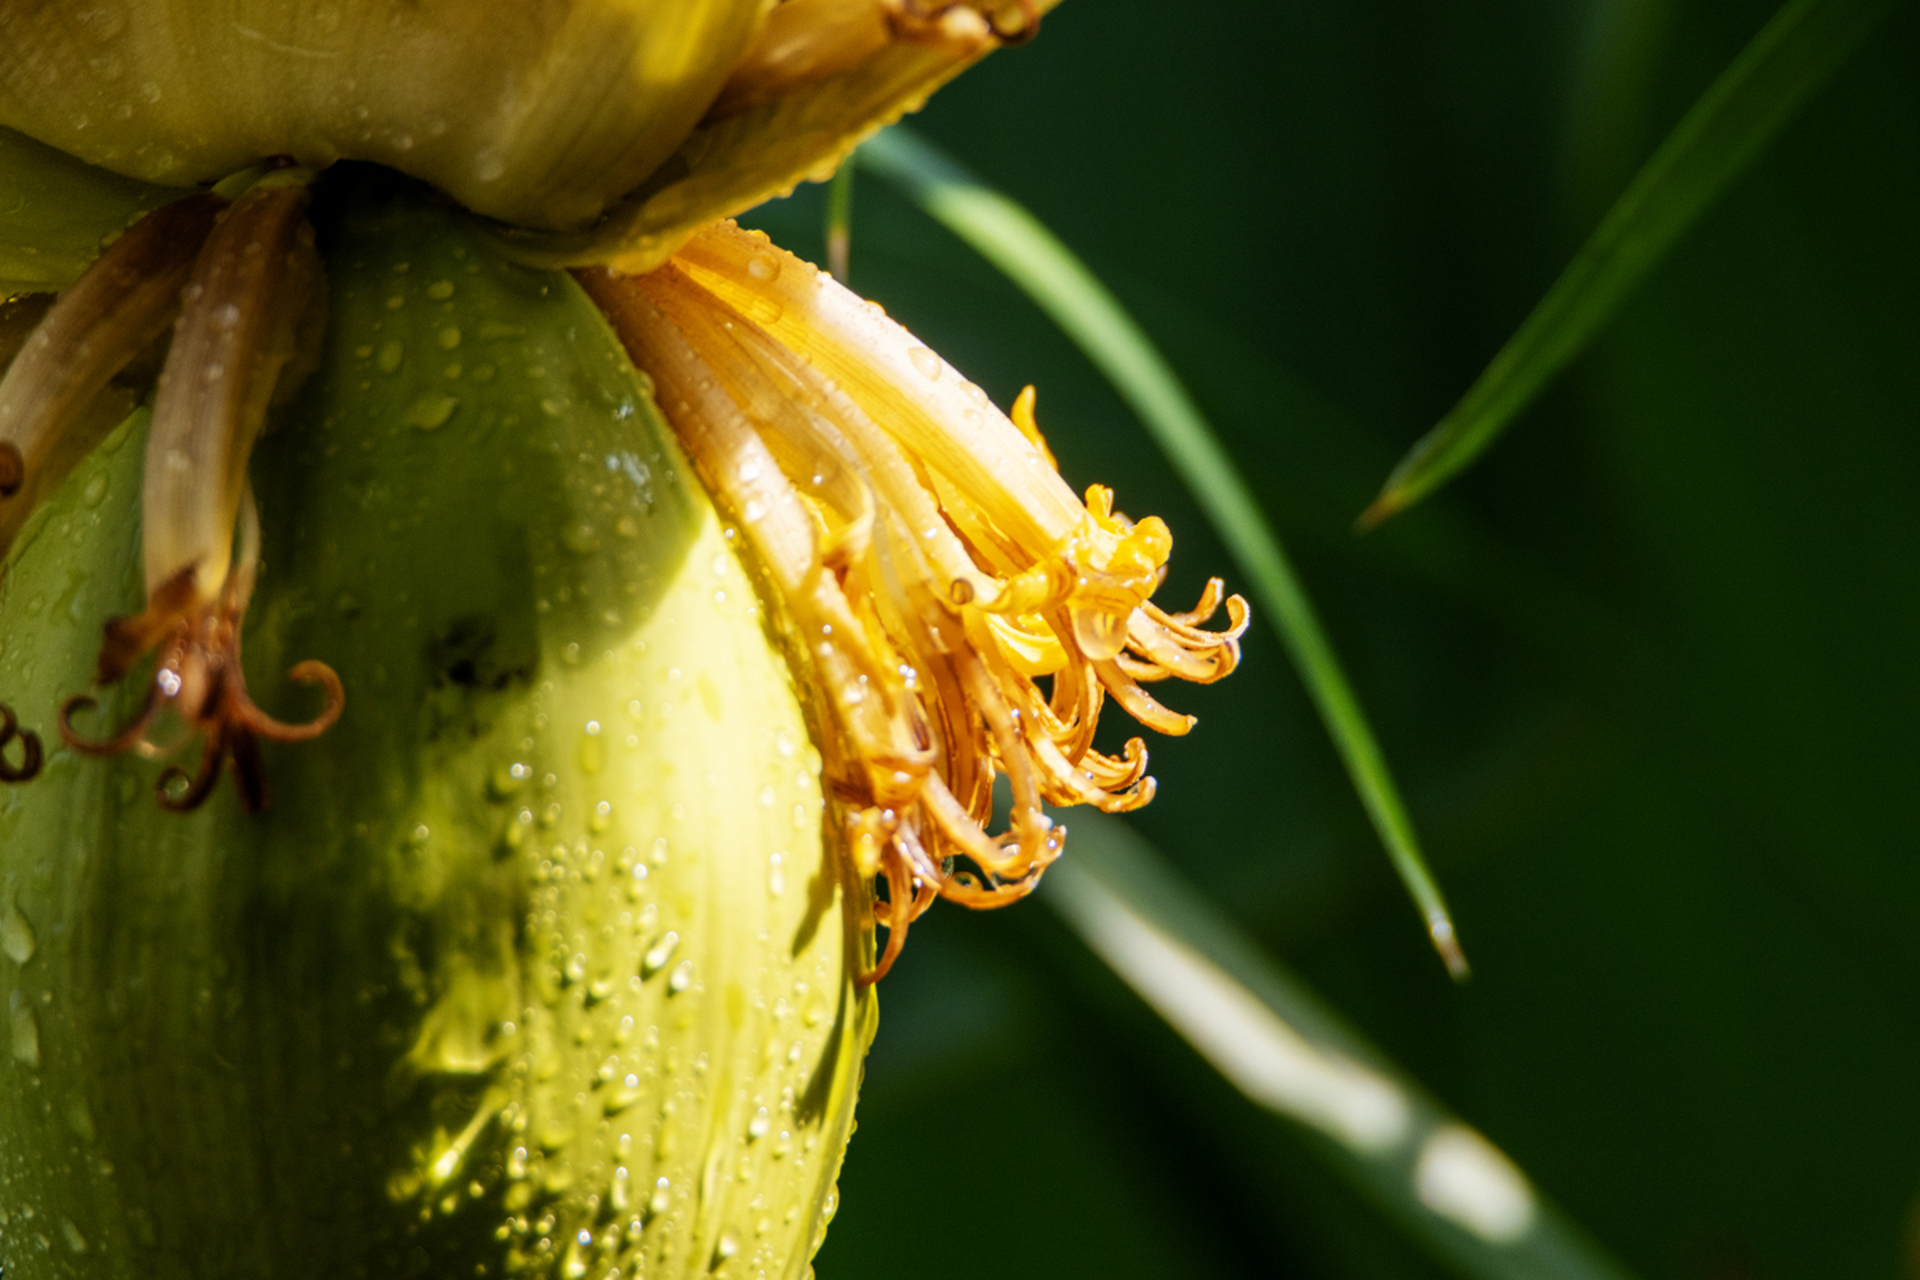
(539, 963)
(539, 112)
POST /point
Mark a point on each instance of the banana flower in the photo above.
(662, 613)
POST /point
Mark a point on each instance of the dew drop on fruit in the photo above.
(16, 935)
(658, 954)
(24, 1030)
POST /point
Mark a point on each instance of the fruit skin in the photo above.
(536, 112)
(245, 1046)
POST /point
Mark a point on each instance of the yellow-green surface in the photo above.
(539, 113)
(537, 964)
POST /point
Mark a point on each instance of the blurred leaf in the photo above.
(55, 212)
(1445, 1184)
(1723, 132)
(840, 222)
(1048, 272)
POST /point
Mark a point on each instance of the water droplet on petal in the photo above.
(926, 361)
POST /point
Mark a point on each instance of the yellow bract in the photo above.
(539, 113)
(595, 130)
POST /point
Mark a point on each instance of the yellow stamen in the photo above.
(931, 566)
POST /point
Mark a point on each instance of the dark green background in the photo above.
(1647, 673)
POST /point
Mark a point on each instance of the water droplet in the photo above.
(575, 1265)
(76, 1242)
(448, 338)
(16, 935)
(440, 290)
(658, 954)
(682, 977)
(758, 1126)
(431, 411)
(926, 361)
(777, 875)
(25, 1037)
(507, 780)
(392, 356)
(763, 266)
(80, 1119)
(96, 490)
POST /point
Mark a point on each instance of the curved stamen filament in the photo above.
(111, 314)
(30, 754)
(254, 281)
(930, 564)
(198, 675)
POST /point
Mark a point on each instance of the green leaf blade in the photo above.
(1050, 274)
(1443, 1183)
(1724, 131)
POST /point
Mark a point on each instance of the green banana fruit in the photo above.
(539, 963)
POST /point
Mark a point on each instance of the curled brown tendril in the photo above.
(198, 675)
(30, 755)
(242, 278)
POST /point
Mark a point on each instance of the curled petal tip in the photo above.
(30, 751)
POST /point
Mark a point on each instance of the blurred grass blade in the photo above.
(1034, 259)
(1722, 133)
(1451, 1189)
(840, 222)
